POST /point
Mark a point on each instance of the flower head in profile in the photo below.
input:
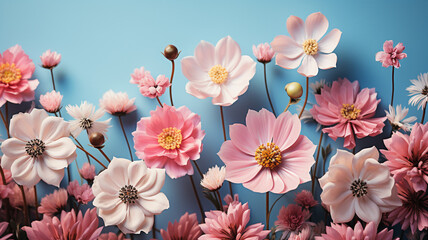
(419, 91)
(87, 171)
(305, 48)
(50, 59)
(305, 199)
(317, 86)
(53, 203)
(117, 104)
(305, 234)
(343, 232)
(3, 228)
(292, 219)
(229, 200)
(220, 71)
(391, 56)
(112, 236)
(83, 194)
(187, 228)
(396, 118)
(86, 118)
(269, 150)
(39, 148)
(214, 178)
(51, 101)
(263, 52)
(169, 139)
(149, 87)
(16, 69)
(127, 194)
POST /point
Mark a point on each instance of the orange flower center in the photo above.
(9, 73)
(268, 156)
(310, 47)
(350, 112)
(170, 138)
(218, 74)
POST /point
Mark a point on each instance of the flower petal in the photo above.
(367, 210)
(316, 26)
(50, 176)
(243, 139)
(328, 43)
(61, 148)
(286, 46)
(24, 172)
(309, 67)
(286, 130)
(261, 126)
(227, 53)
(326, 61)
(205, 55)
(13, 148)
(154, 204)
(344, 211)
(53, 128)
(288, 63)
(296, 28)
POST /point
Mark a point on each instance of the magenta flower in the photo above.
(53, 203)
(263, 52)
(83, 194)
(117, 104)
(187, 228)
(87, 171)
(292, 219)
(391, 55)
(51, 101)
(50, 59)
(3, 228)
(147, 84)
(305, 199)
(269, 150)
(343, 232)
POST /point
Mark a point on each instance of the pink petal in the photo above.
(309, 67)
(238, 80)
(286, 130)
(50, 176)
(296, 28)
(334, 193)
(53, 128)
(205, 55)
(261, 126)
(13, 148)
(316, 26)
(288, 63)
(24, 171)
(227, 53)
(326, 61)
(388, 46)
(225, 98)
(328, 43)
(361, 157)
(113, 216)
(193, 71)
(61, 148)
(243, 139)
(154, 204)
(367, 210)
(343, 212)
(286, 46)
(265, 177)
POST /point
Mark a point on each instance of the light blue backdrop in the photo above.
(102, 42)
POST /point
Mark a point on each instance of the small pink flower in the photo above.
(3, 228)
(214, 178)
(343, 232)
(391, 55)
(53, 203)
(112, 236)
(305, 199)
(5, 191)
(50, 59)
(187, 228)
(87, 171)
(83, 194)
(263, 52)
(51, 101)
(229, 200)
(148, 86)
(292, 219)
(15, 198)
(117, 104)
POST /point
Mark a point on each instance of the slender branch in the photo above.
(154, 228)
(219, 197)
(36, 202)
(197, 198)
(6, 106)
(271, 208)
(170, 81)
(316, 163)
(104, 154)
(6, 200)
(423, 113)
(288, 105)
(160, 103)
(126, 138)
(3, 177)
(224, 136)
(199, 170)
(5, 124)
(306, 97)
(267, 91)
(68, 174)
(25, 206)
(53, 81)
(392, 94)
(75, 139)
(267, 211)
(98, 161)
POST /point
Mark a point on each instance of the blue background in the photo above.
(102, 42)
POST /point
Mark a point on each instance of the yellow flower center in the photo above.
(350, 111)
(218, 74)
(170, 138)
(9, 73)
(268, 156)
(310, 46)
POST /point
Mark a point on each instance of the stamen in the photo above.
(35, 148)
(170, 138)
(128, 194)
(350, 111)
(268, 156)
(9, 73)
(358, 188)
(310, 47)
(86, 123)
(218, 74)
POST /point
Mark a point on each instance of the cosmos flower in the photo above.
(83, 194)
(50, 59)
(419, 91)
(187, 228)
(214, 178)
(391, 56)
(86, 118)
(117, 104)
(396, 118)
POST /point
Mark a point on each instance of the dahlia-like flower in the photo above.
(69, 226)
(39, 148)
(391, 56)
(220, 71)
(87, 171)
(50, 59)
(347, 111)
(112, 236)
(396, 118)
(231, 225)
(343, 232)
(419, 91)
(53, 203)
(15, 198)
(358, 185)
(3, 227)
(168, 139)
(117, 104)
(147, 84)
(305, 199)
(187, 228)
(86, 118)
(214, 178)
(83, 194)
(127, 194)
(51, 101)
(292, 219)
(306, 46)
(16, 68)
(263, 52)
(268, 150)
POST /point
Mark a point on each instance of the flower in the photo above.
(214, 178)
(53, 203)
(67, 227)
(51, 101)
(396, 118)
(407, 156)
(7, 175)
(348, 111)
(317, 86)
(390, 55)
(419, 91)
(305, 199)
(305, 45)
(343, 232)
(229, 200)
(3, 228)
(269, 150)
(187, 228)
(50, 59)
(87, 171)
(304, 234)
(219, 72)
(358, 184)
(82, 194)
(112, 236)
(117, 104)
(86, 119)
(15, 198)
(16, 68)
(263, 52)
(148, 86)
(5, 191)
(231, 225)
(127, 194)
(169, 139)
(292, 219)
(39, 148)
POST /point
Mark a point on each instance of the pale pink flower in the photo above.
(263, 52)
(39, 148)
(15, 198)
(231, 225)
(83, 194)
(168, 139)
(407, 156)
(86, 118)
(87, 171)
(5, 191)
(51, 101)
(358, 185)
(214, 178)
(127, 194)
(117, 104)
(343, 232)
(187, 228)
(69, 226)
(305, 47)
(16, 68)
(147, 84)
(305, 199)
(229, 200)
(112, 236)
(348, 112)
(50, 59)
(391, 55)
(218, 71)
(292, 219)
(268, 150)
(53, 203)
(3, 228)
(304, 234)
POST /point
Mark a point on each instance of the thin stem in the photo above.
(75, 139)
(36, 202)
(160, 103)
(80, 175)
(316, 163)
(104, 154)
(126, 138)
(267, 211)
(197, 167)
(392, 94)
(68, 174)
(423, 113)
(267, 91)
(6, 106)
(3, 177)
(5, 124)
(25, 206)
(53, 81)
(170, 81)
(153, 228)
(271, 208)
(306, 97)
(98, 161)
(131, 236)
(224, 136)
(197, 198)
(288, 105)
(353, 150)
(219, 197)
(6, 200)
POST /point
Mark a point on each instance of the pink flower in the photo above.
(219, 72)
(214, 178)
(117, 104)
(348, 111)
(263, 52)
(343, 232)
(358, 185)
(269, 150)
(53, 203)
(229, 200)
(50, 59)
(82, 194)
(169, 139)
(407, 156)
(15, 198)
(305, 45)
(39, 148)
(67, 227)
(5, 191)
(51, 101)
(87, 171)
(3, 228)
(16, 68)
(391, 55)
(304, 234)
(112, 236)
(231, 225)
(187, 228)
(292, 219)
(305, 199)
(148, 86)
(7, 175)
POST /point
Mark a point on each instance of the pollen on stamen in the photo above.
(350, 112)
(268, 156)
(218, 74)
(310, 47)
(170, 138)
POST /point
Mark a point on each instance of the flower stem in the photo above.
(199, 170)
(224, 136)
(75, 139)
(68, 174)
(316, 163)
(124, 134)
(6, 200)
(104, 154)
(219, 200)
(160, 103)
(392, 94)
(170, 81)
(98, 161)
(267, 211)
(288, 105)
(197, 198)
(271, 208)
(53, 81)
(25, 206)
(267, 91)
(5, 124)
(306, 97)
(154, 228)
(36, 202)
(423, 113)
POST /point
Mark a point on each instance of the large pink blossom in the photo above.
(391, 56)
(348, 112)
(268, 150)
(83, 194)
(292, 219)
(343, 232)
(53, 203)
(187, 228)
(169, 139)
(16, 68)
(149, 87)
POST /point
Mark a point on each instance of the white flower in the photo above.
(396, 118)
(86, 119)
(317, 86)
(214, 178)
(419, 91)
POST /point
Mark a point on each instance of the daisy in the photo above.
(86, 119)
(419, 91)
(396, 118)
(187, 228)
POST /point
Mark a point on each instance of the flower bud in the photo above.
(97, 139)
(171, 52)
(294, 90)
